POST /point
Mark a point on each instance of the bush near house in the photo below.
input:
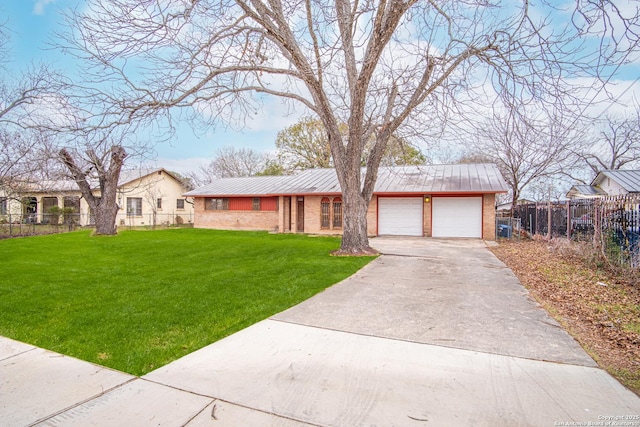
(139, 300)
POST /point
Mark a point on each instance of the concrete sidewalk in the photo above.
(434, 332)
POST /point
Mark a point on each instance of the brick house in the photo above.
(433, 200)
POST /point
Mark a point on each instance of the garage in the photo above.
(400, 216)
(457, 217)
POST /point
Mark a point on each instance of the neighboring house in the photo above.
(438, 201)
(506, 207)
(145, 197)
(584, 192)
(608, 183)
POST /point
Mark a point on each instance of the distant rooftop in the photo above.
(628, 179)
(586, 191)
(69, 185)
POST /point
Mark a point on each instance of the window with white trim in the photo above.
(134, 206)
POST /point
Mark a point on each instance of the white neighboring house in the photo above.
(145, 197)
(608, 183)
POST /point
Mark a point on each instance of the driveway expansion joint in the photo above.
(429, 344)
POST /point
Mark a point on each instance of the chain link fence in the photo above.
(31, 224)
(508, 228)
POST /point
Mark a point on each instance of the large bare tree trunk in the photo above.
(355, 240)
(105, 216)
(105, 206)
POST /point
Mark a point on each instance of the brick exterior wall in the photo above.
(426, 212)
(284, 219)
(372, 217)
(234, 220)
(279, 221)
(312, 216)
(489, 217)
(312, 219)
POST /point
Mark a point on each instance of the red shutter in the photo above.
(240, 203)
(269, 204)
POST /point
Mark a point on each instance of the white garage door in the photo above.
(400, 216)
(457, 217)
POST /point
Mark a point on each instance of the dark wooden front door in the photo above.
(300, 217)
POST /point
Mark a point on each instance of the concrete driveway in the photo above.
(433, 332)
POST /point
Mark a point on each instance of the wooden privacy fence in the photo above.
(612, 222)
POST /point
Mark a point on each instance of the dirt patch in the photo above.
(600, 309)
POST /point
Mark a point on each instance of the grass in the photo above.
(141, 299)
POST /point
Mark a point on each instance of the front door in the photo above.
(300, 217)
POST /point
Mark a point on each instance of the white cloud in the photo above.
(39, 6)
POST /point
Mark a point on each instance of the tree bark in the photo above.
(355, 240)
(104, 207)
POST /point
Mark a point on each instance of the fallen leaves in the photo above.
(601, 310)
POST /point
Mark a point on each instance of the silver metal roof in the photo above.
(248, 186)
(426, 179)
(462, 178)
(628, 179)
(582, 190)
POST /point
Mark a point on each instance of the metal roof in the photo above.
(68, 185)
(247, 186)
(585, 191)
(461, 178)
(426, 179)
(627, 179)
(312, 181)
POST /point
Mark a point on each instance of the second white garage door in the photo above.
(457, 217)
(400, 216)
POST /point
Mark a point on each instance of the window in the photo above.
(49, 202)
(325, 214)
(337, 212)
(213, 204)
(159, 203)
(180, 204)
(255, 204)
(72, 209)
(330, 213)
(50, 210)
(134, 206)
(72, 202)
(3, 206)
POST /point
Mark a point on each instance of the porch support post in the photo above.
(294, 214)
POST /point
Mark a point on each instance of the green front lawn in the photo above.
(139, 300)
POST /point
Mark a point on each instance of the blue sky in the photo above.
(32, 24)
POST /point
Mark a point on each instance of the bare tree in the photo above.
(231, 162)
(23, 146)
(616, 145)
(16, 166)
(378, 66)
(103, 168)
(526, 150)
